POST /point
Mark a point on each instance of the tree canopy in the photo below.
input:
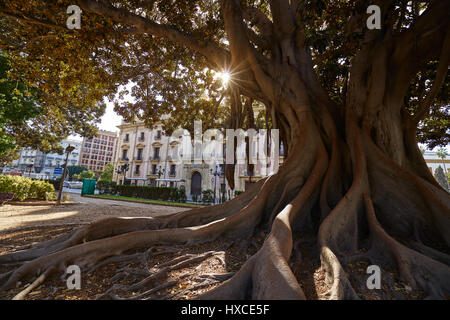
(168, 53)
(17, 104)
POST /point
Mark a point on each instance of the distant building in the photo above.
(100, 150)
(36, 163)
(433, 161)
(150, 159)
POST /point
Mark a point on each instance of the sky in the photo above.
(109, 121)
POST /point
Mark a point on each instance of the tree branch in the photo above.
(34, 21)
(441, 74)
(260, 20)
(217, 56)
(241, 50)
(422, 42)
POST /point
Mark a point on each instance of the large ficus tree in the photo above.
(347, 100)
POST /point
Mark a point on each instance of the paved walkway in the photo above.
(86, 211)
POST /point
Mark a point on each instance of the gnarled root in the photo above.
(409, 233)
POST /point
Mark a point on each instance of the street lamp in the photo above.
(215, 173)
(69, 149)
(160, 173)
(123, 169)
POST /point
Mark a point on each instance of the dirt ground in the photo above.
(21, 226)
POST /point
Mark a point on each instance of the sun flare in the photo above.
(225, 77)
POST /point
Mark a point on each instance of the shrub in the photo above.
(50, 196)
(39, 189)
(56, 183)
(106, 187)
(182, 193)
(237, 192)
(207, 196)
(87, 174)
(26, 188)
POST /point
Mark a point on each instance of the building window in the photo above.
(142, 136)
(139, 155)
(153, 168)
(156, 153)
(137, 169)
(172, 170)
(124, 154)
(127, 138)
(158, 134)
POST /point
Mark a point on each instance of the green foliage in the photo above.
(237, 192)
(17, 104)
(26, 188)
(107, 174)
(442, 153)
(56, 183)
(441, 178)
(145, 192)
(75, 170)
(106, 187)
(207, 196)
(178, 195)
(86, 174)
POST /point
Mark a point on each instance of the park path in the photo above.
(85, 211)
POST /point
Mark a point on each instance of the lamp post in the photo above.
(215, 173)
(123, 169)
(160, 173)
(69, 149)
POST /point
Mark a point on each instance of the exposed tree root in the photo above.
(36, 283)
(301, 196)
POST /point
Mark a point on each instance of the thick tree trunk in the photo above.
(352, 178)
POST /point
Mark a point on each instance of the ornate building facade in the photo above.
(149, 157)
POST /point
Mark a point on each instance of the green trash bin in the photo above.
(88, 187)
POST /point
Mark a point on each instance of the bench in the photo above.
(5, 197)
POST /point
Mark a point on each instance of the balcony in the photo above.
(126, 140)
(138, 159)
(124, 159)
(158, 137)
(155, 158)
(141, 139)
(172, 173)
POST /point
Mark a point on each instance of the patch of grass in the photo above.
(108, 196)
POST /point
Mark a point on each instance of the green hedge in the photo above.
(26, 188)
(106, 187)
(145, 192)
